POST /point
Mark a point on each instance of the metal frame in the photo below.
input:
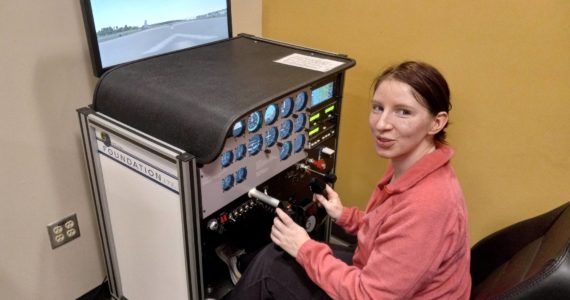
(189, 197)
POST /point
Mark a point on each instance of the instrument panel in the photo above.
(261, 144)
(267, 141)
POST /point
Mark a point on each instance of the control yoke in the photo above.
(296, 213)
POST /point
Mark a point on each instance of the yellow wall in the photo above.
(508, 66)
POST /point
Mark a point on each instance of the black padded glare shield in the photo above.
(190, 99)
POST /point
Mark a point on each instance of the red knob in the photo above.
(319, 164)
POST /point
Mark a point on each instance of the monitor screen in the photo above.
(322, 94)
(121, 31)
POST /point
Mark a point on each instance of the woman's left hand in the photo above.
(287, 234)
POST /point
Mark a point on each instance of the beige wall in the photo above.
(246, 17)
(45, 75)
(508, 66)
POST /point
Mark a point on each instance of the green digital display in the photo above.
(314, 117)
(314, 131)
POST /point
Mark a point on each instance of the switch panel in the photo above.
(63, 231)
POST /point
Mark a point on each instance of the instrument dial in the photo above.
(286, 129)
(228, 182)
(299, 143)
(254, 145)
(286, 107)
(271, 136)
(240, 151)
(285, 150)
(300, 101)
(271, 114)
(238, 129)
(241, 175)
(300, 122)
(227, 158)
(254, 122)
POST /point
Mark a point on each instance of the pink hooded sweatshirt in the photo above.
(412, 239)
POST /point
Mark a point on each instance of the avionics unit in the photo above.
(175, 143)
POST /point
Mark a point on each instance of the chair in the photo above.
(527, 260)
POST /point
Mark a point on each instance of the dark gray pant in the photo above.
(274, 274)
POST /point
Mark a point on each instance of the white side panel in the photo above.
(146, 221)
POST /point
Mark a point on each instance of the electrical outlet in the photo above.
(63, 231)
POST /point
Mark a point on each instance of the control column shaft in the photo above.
(254, 193)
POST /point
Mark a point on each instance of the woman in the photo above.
(412, 237)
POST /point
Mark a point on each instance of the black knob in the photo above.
(330, 178)
(317, 186)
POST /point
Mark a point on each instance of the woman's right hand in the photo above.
(331, 203)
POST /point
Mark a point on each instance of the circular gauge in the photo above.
(228, 182)
(241, 175)
(300, 122)
(254, 145)
(286, 128)
(287, 107)
(285, 150)
(271, 136)
(299, 143)
(254, 122)
(227, 158)
(238, 128)
(240, 151)
(300, 101)
(270, 114)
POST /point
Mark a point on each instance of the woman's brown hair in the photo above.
(428, 86)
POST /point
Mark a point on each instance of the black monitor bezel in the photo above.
(91, 33)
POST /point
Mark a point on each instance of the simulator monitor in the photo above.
(122, 31)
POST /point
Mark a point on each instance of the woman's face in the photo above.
(402, 128)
